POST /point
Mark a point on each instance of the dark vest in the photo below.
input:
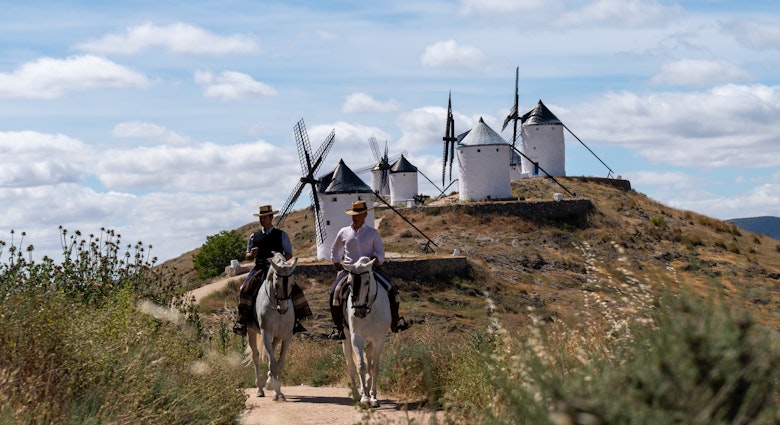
(266, 244)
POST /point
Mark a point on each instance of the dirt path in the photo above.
(323, 405)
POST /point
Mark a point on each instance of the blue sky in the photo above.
(170, 121)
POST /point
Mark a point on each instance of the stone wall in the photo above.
(398, 268)
(571, 211)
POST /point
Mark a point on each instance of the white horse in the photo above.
(275, 315)
(368, 318)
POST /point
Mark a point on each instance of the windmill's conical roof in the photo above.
(539, 115)
(403, 166)
(482, 134)
(343, 180)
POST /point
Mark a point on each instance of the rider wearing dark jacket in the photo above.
(261, 246)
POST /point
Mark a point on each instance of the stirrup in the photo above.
(337, 334)
(400, 325)
(239, 329)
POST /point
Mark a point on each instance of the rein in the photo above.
(357, 282)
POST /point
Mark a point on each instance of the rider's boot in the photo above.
(397, 323)
(337, 314)
(298, 328)
(239, 327)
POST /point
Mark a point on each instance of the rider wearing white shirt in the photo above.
(352, 242)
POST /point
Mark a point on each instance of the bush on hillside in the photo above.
(217, 252)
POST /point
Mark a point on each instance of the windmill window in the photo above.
(479, 150)
(327, 222)
(496, 149)
(333, 199)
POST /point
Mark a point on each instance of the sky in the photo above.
(169, 121)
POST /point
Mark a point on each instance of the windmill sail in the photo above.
(310, 164)
(449, 141)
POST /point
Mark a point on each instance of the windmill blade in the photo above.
(320, 222)
(449, 140)
(444, 164)
(323, 151)
(364, 169)
(374, 147)
(303, 145)
(290, 202)
(452, 157)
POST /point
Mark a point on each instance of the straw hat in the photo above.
(359, 207)
(265, 210)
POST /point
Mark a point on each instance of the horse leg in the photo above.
(273, 371)
(359, 356)
(374, 352)
(280, 365)
(347, 348)
(255, 359)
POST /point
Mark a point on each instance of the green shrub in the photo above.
(658, 220)
(217, 252)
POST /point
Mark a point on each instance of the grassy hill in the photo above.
(632, 250)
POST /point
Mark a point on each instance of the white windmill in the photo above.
(338, 189)
(403, 182)
(483, 159)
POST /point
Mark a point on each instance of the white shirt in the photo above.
(353, 244)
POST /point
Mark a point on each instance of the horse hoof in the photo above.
(260, 393)
(280, 397)
(374, 403)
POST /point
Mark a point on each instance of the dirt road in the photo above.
(323, 405)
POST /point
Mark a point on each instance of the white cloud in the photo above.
(502, 9)
(32, 159)
(450, 54)
(758, 201)
(755, 34)
(675, 179)
(231, 85)
(561, 13)
(698, 73)
(621, 13)
(146, 130)
(178, 38)
(48, 78)
(357, 103)
(727, 126)
(199, 167)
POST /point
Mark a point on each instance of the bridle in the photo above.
(361, 310)
(285, 289)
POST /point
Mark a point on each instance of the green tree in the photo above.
(216, 253)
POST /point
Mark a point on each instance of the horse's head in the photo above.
(281, 280)
(362, 285)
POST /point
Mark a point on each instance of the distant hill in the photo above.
(766, 225)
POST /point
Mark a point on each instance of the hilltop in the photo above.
(629, 251)
(765, 225)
